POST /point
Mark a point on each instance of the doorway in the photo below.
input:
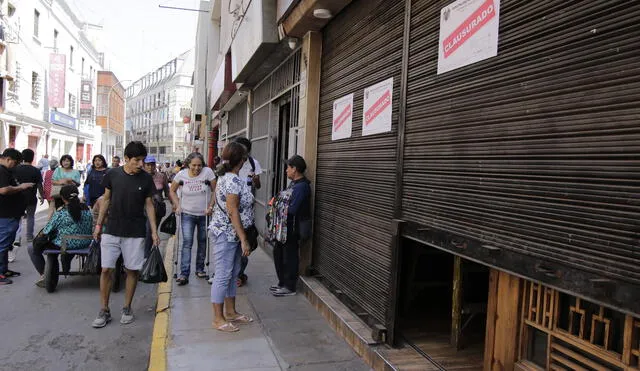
(443, 306)
(281, 148)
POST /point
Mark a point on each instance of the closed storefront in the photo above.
(527, 160)
(355, 186)
(511, 151)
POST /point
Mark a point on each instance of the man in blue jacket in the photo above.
(286, 255)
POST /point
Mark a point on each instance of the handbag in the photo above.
(42, 241)
(169, 225)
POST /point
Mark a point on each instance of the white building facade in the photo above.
(159, 108)
(47, 60)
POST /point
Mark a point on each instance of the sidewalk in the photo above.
(287, 333)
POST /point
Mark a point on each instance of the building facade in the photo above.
(47, 60)
(159, 108)
(110, 117)
(472, 167)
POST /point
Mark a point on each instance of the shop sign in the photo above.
(376, 112)
(468, 33)
(342, 118)
(61, 119)
(57, 69)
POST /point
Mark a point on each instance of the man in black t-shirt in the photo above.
(27, 173)
(128, 192)
(11, 210)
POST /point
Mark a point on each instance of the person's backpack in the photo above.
(252, 162)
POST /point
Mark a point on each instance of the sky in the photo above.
(138, 36)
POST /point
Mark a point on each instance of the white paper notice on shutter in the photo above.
(468, 33)
(342, 117)
(378, 104)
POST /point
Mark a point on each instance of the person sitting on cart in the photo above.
(73, 218)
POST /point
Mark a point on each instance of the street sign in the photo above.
(377, 108)
(468, 33)
(342, 118)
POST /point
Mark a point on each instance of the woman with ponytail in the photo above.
(72, 218)
(233, 213)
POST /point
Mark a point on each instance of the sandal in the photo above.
(182, 281)
(11, 274)
(227, 327)
(201, 275)
(241, 318)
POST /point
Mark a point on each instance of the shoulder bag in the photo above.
(251, 232)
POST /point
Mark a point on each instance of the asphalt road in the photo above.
(42, 331)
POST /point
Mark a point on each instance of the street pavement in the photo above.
(42, 331)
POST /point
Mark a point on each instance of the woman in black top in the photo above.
(93, 187)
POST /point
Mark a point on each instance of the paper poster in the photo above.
(468, 33)
(342, 118)
(378, 104)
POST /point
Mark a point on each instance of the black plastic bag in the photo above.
(92, 263)
(168, 226)
(153, 269)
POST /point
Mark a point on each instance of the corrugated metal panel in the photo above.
(238, 118)
(535, 151)
(355, 177)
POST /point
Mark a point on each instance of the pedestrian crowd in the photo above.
(121, 207)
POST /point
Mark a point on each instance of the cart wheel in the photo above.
(117, 276)
(51, 272)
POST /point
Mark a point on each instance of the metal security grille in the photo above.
(237, 119)
(536, 151)
(356, 177)
(281, 85)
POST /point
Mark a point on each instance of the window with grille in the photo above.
(36, 23)
(35, 87)
(14, 85)
(564, 332)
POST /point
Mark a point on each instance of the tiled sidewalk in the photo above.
(288, 333)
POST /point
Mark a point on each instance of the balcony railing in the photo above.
(9, 30)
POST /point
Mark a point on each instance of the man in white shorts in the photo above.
(127, 198)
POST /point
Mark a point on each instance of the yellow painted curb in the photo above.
(158, 357)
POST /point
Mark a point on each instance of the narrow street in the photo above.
(42, 331)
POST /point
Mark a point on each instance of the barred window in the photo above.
(35, 87)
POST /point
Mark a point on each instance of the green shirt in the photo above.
(62, 223)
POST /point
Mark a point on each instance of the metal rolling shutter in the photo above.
(535, 151)
(355, 178)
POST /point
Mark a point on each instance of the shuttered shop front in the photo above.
(355, 191)
(530, 160)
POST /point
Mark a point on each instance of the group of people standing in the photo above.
(122, 207)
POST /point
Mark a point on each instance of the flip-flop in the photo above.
(241, 319)
(228, 327)
(201, 275)
(11, 274)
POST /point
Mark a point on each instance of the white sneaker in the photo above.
(12, 256)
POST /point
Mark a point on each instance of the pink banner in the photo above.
(57, 69)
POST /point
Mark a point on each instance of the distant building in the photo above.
(159, 108)
(110, 113)
(48, 69)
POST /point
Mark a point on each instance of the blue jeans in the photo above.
(227, 261)
(189, 223)
(8, 229)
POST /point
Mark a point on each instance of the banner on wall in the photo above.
(468, 33)
(377, 108)
(342, 118)
(57, 69)
(86, 109)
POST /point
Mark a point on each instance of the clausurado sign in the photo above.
(377, 108)
(342, 117)
(468, 33)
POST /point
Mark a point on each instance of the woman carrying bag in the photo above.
(196, 184)
(72, 218)
(233, 213)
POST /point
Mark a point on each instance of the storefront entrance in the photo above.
(443, 306)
